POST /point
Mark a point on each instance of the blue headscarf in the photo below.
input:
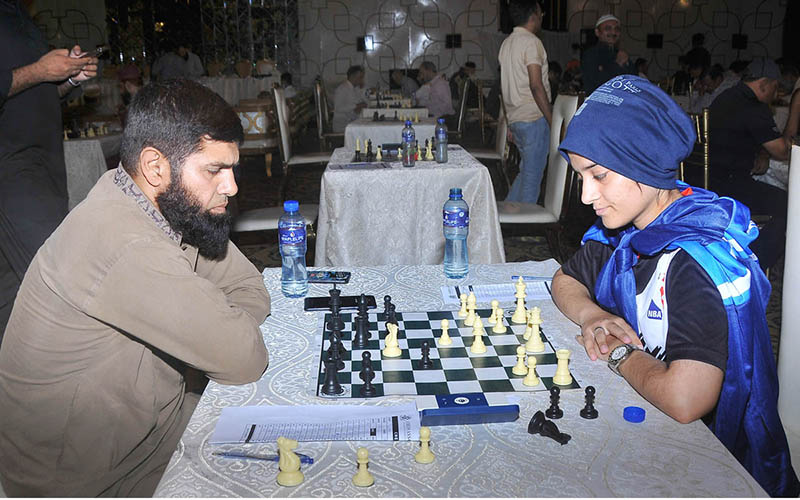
(716, 232)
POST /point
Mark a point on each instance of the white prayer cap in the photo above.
(607, 17)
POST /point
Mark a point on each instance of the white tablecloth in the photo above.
(392, 112)
(233, 89)
(85, 160)
(389, 131)
(381, 216)
(607, 457)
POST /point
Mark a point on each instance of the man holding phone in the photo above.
(33, 186)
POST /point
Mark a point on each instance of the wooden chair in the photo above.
(323, 117)
(266, 219)
(244, 68)
(698, 161)
(500, 152)
(260, 138)
(288, 159)
(550, 217)
(789, 347)
(457, 134)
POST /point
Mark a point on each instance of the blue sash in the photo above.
(716, 232)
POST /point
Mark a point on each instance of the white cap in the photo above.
(607, 17)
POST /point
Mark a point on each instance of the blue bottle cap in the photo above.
(455, 193)
(633, 414)
(291, 206)
(440, 120)
(408, 123)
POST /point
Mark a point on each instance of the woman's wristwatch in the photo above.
(619, 355)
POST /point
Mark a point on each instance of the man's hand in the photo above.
(761, 164)
(58, 65)
(622, 58)
(89, 69)
(602, 331)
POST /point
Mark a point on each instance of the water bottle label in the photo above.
(441, 135)
(408, 136)
(459, 219)
(292, 235)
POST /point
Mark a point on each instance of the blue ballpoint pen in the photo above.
(305, 459)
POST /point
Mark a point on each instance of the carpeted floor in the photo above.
(256, 190)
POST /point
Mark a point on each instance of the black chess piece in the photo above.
(375, 116)
(395, 115)
(387, 301)
(331, 385)
(554, 411)
(392, 316)
(589, 412)
(361, 338)
(367, 374)
(335, 301)
(425, 362)
(362, 305)
(546, 428)
(358, 156)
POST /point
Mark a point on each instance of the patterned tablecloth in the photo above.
(379, 216)
(606, 457)
(392, 112)
(388, 131)
(85, 160)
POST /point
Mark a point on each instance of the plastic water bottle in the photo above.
(409, 137)
(455, 215)
(292, 240)
(441, 142)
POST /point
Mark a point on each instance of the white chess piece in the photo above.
(358, 144)
(462, 313)
(493, 318)
(531, 380)
(499, 326)
(445, 339)
(534, 343)
(472, 302)
(520, 368)
(519, 316)
(562, 376)
(391, 349)
(378, 155)
(529, 327)
(424, 455)
(478, 347)
(288, 463)
(363, 478)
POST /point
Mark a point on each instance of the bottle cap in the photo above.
(440, 120)
(408, 123)
(455, 192)
(633, 414)
(291, 206)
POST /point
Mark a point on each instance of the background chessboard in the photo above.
(456, 370)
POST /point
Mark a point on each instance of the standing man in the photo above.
(743, 137)
(349, 99)
(525, 82)
(434, 93)
(605, 60)
(33, 179)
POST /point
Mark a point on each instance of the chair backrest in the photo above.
(462, 107)
(699, 157)
(320, 109)
(557, 168)
(283, 124)
(501, 137)
(264, 67)
(255, 120)
(789, 348)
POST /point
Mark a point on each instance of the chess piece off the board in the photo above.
(363, 478)
(288, 463)
(424, 455)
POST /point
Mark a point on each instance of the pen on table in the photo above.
(305, 459)
(532, 278)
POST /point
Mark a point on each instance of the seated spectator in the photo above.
(465, 72)
(349, 99)
(194, 67)
(743, 137)
(286, 83)
(171, 64)
(681, 78)
(407, 85)
(434, 93)
(709, 88)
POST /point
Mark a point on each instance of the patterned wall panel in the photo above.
(405, 33)
(65, 23)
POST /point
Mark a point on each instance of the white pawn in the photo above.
(478, 347)
(445, 339)
(492, 317)
(499, 326)
(424, 455)
(378, 155)
(399, 153)
(472, 302)
(562, 376)
(531, 380)
(363, 478)
(462, 313)
(520, 368)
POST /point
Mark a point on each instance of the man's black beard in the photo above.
(199, 227)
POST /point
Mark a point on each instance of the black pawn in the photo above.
(362, 336)
(367, 374)
(589, 412)
(554, 411)
(546, 428)
(363, 307)
(425, 362)
(387, 301)
(331, 385)
(392, 315)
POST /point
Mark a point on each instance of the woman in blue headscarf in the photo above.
(664, 287)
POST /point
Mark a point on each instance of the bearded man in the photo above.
(139, 282)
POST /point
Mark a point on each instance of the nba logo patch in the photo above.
(653, 312)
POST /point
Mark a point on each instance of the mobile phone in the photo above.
(338, 277)
(348, 302)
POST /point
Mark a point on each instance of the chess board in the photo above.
(456, 370)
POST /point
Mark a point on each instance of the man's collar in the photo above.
(127, 185)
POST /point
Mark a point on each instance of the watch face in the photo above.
(618, 353)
